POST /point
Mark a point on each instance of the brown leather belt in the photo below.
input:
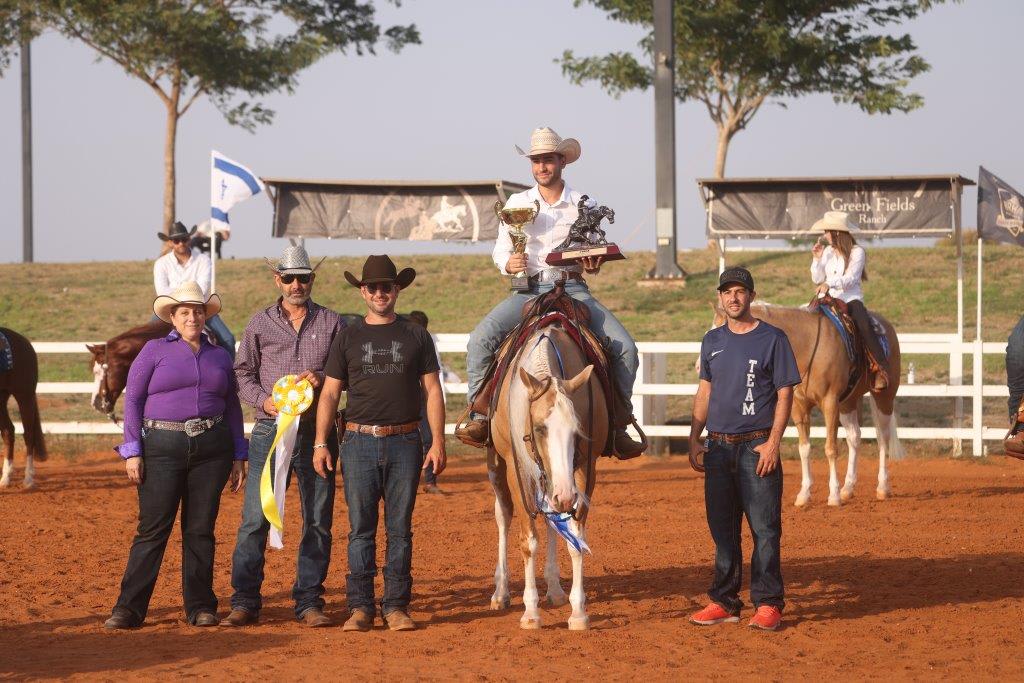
(382, 430)
(569, 275)
(740, 438)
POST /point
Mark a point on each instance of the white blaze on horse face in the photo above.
(561, 437)
(97, 373)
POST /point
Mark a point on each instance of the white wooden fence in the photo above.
(648, 409)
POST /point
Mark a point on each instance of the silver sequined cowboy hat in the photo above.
(187, 293)
(838, 221)
(546, 141)
(294, 261)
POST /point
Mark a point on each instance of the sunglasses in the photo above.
(180, 240)
(303, 279)
(382, 287)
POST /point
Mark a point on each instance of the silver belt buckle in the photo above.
(195, 427)
(373, 431)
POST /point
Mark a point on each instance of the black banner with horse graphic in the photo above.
(1000, 210)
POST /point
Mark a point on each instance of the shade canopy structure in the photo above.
(459, 210)
(881, 206)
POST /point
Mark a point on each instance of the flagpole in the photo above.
(213, 261)
(977, 370)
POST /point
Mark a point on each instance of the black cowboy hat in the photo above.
(178, 230)
(382, 269)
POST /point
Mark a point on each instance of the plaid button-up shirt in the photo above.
(271, 349)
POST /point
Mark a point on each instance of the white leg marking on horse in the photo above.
(884, 425)
(97, 373)
(555, 595)
(852, 426)
(804, 496)
(5, 480)
(531, 615)
(833, 483)
(30, 472)
(500, 599)
(578, 620)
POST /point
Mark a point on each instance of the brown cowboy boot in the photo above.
(625, 447)
(473, 432)
(880, 380)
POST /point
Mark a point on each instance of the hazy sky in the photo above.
(453, 107)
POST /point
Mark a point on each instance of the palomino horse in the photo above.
(548, 429)
(20, 381)
(110, 363)
(825, 372)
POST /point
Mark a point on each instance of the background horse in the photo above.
(110, 363)
(825, 372)
(20, 381)
(549, 427)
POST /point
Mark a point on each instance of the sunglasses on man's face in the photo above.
(303, 279)
(382, 287)
(180, 240)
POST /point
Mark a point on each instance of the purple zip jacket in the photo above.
(167, 381)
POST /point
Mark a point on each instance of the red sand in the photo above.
(927, 584)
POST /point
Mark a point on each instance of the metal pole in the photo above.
(213, 261)
(956, 362)
(977, 416)
(26, 152)
(666, 266)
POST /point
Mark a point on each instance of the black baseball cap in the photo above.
(737, 276)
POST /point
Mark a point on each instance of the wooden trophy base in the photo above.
(569, 257)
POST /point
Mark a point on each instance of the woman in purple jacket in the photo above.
(183, 438)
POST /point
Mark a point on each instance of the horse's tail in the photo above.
(895, 447)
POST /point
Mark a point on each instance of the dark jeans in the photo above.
(867, 333)
(177, 469)
(1015, 367)
(385, 468)
(316, 502)
(428, 440)
(732, 489)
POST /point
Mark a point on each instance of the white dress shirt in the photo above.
(548, 230)
(843, 278)
(168, 273)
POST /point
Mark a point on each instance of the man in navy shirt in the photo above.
(747, 375)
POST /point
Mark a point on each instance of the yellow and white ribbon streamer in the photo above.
(291, 398)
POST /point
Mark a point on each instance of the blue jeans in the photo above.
(375, 468)
(1015, 366)
(732, 489)
(192, 472)
(485, 339)
(428, 440)
(223, 334)
(316, 501)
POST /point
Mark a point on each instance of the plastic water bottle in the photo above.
(910, 374)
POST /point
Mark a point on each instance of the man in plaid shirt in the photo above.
(293, 336)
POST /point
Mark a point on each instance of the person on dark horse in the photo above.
(184, 263)
(558, 210)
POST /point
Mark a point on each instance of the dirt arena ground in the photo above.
(929, 584)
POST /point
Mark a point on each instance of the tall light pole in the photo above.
(666, 267)
(26, 151)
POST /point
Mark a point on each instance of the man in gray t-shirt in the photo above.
(747, 375)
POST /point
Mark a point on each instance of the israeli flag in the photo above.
(230, 183)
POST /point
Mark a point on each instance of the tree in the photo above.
(223, 49)
(736, 55)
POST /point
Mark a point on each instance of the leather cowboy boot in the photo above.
(473, 433)
(880, 380)
(624, 446)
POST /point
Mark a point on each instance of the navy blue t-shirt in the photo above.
(746, 371)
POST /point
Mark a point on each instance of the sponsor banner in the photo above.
(398, 211)
(890, 207)
(1000, 210)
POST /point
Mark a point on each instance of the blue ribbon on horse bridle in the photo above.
(559, 521)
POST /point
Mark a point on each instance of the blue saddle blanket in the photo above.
(6, 355)
(849, 342)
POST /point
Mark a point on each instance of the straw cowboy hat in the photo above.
(546, 141)
(294, 260)
(178, 230)
(186, 293)
(382, 269)
(839, 221)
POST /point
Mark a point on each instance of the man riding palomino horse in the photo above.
(549, 154)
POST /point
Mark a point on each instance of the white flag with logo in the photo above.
(230, 183)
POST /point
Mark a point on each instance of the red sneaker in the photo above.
(711, 615)
(767, 618)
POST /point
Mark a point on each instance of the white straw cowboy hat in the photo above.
(546, 141)
(839, 221)
(186, 293)
(293, 261)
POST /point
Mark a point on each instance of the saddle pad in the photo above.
(848, 341)
(6, 355)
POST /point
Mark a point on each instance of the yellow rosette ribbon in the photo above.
(291, 398)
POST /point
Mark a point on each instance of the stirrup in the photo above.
(463, 421)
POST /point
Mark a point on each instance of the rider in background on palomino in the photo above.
(183, 263)
(838, 270)
(549, 154)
